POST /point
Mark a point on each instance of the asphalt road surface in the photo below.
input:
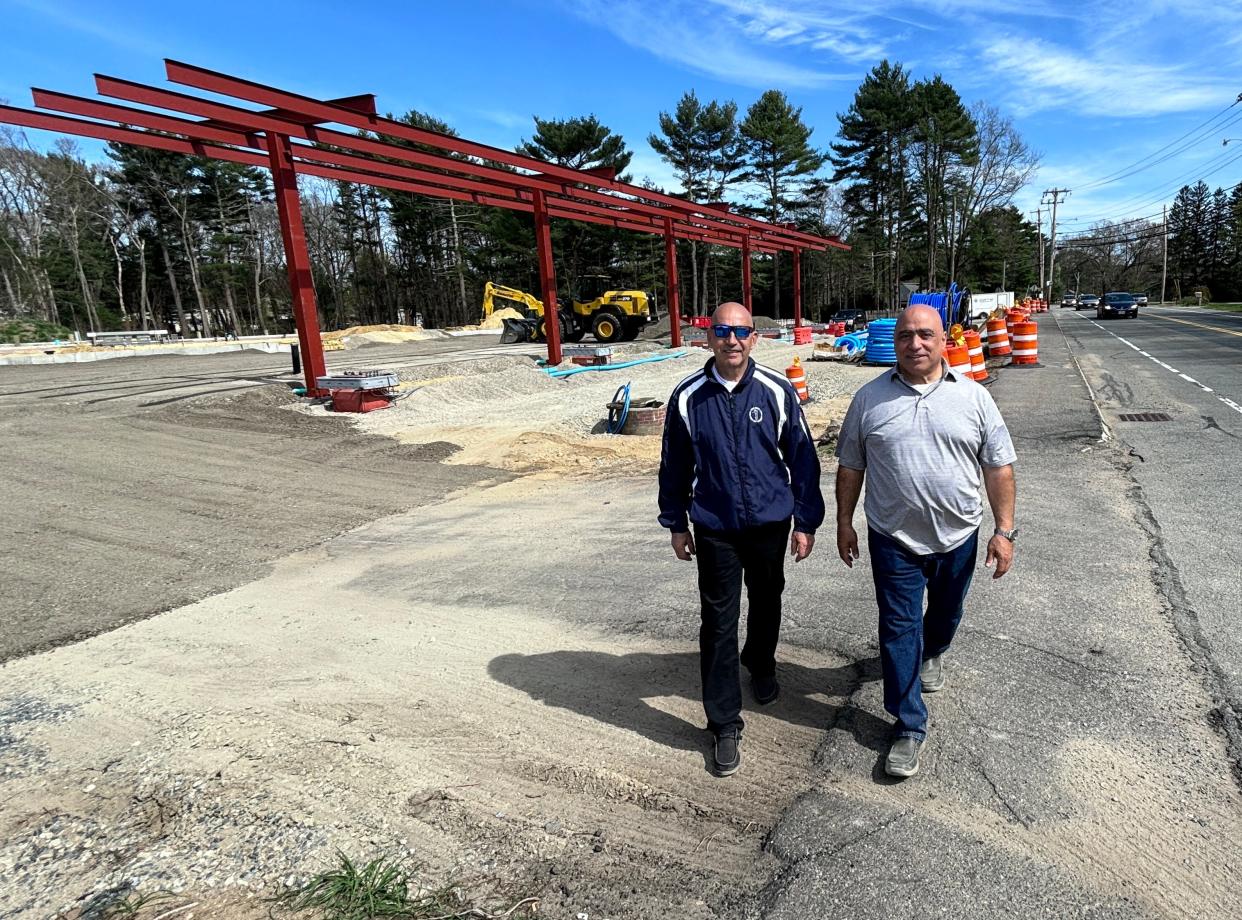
(1183, 368)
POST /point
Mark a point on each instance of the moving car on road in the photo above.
(1140, 299)
(1117, 303)
(1069, 299)
(1086, 300)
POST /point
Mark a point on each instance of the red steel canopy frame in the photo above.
(289, 138)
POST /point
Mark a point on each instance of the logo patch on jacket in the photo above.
(756, 414)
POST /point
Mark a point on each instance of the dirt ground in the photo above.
(451, 631)
(236, 742)
(120, 509)
(239, 741)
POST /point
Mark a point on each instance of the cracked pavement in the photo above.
(1082, 736)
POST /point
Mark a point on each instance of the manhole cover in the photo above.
(1145, 417)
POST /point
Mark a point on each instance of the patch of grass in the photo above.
(18, 331)
(122, 904)
(383, 887)
(1225, 307)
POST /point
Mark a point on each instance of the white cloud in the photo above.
(725, 39)
(1044, 76)
(512, 120)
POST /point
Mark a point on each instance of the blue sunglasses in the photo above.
(722, 330)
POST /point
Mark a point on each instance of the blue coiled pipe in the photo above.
(880, 347)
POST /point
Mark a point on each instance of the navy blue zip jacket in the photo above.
(740, 459)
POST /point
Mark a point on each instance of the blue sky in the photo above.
(1094, 85)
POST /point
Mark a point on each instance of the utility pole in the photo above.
(1164, 234)
(1056, 194)
(1039, 231)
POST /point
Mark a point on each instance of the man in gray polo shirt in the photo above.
(925, 439)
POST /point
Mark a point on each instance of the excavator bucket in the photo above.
(517, 330)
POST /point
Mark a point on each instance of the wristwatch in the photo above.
(1007, 534)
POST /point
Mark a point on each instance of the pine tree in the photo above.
(583, 249)
(943, 139)
(781, 162)
(578, 143)
(703, 145)
(872, 156)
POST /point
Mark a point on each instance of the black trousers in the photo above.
(755, 555)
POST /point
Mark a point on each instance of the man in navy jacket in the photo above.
(739, 463)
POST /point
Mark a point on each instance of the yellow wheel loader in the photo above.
(612, 316)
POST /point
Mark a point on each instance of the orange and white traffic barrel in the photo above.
(978, 369)
(797, 376)
(998, 338)
(1025, 344)
(959, 359)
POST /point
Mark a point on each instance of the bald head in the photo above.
(733, 313)
(920, 316)
(733, 351)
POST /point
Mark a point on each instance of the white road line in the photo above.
(1206, 389)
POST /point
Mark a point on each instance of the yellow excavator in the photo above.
(611, 316)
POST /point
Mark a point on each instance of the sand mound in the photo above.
(506, 412)
(496, 320)
(384, 333)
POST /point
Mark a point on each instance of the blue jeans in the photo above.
(908, 637)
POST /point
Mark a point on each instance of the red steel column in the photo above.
(547, 277)
(297, 260)
(746, 272)
(670, 269)
(797, 279)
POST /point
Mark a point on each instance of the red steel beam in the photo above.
(212, 81)
(93, 108)
(297, 261)
(304, 153)
(195, 146)
(746, 300)
(221, 113)
(59, 124)
(547, 279)
(670, 271)
(797, 284)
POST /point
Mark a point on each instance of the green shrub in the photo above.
(19, 331)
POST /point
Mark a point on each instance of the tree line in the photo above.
(920, 185)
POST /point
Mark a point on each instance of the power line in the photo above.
(1137, 165)
(1193, 142)
(1144, 201)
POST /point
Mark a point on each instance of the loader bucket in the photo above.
(517, 330)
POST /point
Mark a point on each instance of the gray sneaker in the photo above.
(932, 674)
(903, 757)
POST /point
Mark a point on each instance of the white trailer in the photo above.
(983, 305)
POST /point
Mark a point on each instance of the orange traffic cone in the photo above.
(797, 376)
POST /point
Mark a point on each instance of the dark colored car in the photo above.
(1117, 303)
(1087, 300)
(853, 319)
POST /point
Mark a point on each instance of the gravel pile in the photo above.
(136, 824)
(514, 392)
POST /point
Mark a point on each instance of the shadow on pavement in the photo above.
(615, 689)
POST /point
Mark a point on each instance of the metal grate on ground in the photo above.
(1145, 417)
